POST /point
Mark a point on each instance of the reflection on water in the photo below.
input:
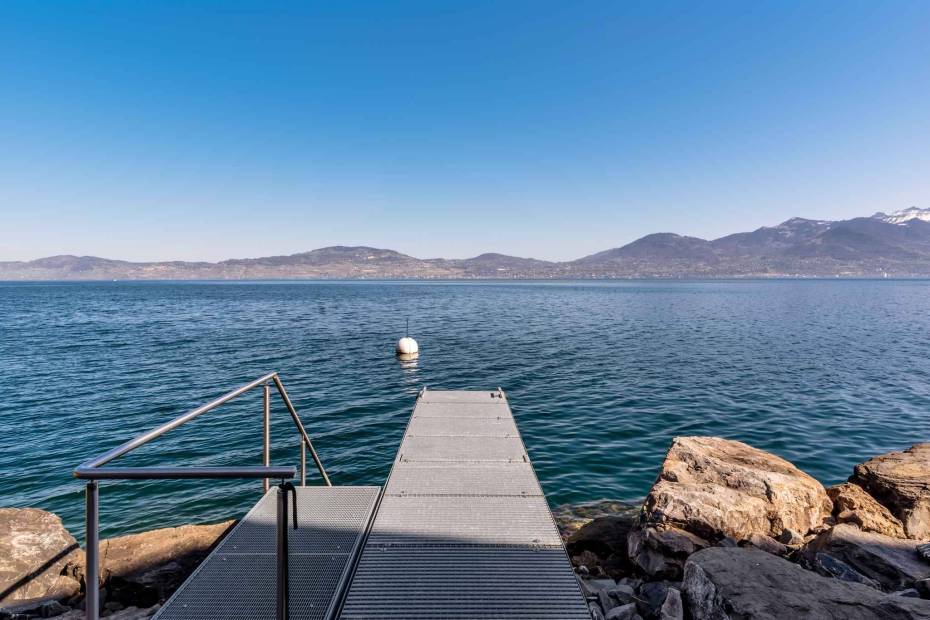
(408, 363)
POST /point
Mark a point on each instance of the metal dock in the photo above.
(463, 530)
(238, 579)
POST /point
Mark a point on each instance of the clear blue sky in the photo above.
(157, 130)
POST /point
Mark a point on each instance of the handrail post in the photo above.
(303, 463)
(282, 607)
(92, 552)
(300, 426)
(266, 459)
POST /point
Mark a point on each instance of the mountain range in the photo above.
(896, 244)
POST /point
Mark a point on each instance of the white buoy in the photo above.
(407, 347)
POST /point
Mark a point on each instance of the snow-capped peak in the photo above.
(905, 215)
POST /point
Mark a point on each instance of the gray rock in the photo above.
(624, 593)
(767, 544)
(892, 562)
(924, 551)
(626, 612)
(722, 583)
(591, 587)
(602, 544)
(900, 481)
(615, 597)
(37, 556)
(790, 537)
(596, 612)
(909, 593)
(829, 566)
(923, 588)
(650, 598)
(633, 582)
(672, 608)
(660, 551)
(51, 609)
(605, 601)
(33, 608)
(134, 613)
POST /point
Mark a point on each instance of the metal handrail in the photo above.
(93, 470)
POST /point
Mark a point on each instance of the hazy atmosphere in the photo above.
(167, 131)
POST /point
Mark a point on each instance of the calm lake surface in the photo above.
(600, 377)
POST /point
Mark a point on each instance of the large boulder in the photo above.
(730, 582)
(37, 556)
(144, 569)
(718, 488)
(892, 562)
(851, 504)
(901, 482)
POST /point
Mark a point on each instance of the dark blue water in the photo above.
(600, 378)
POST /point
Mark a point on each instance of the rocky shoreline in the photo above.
(42, 567)
(727, 531)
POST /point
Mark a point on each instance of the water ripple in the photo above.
(601, 376)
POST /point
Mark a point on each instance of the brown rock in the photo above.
(901, 482)
(715, 488)
(892, 562)
(745, 583)
(851, 504)
(586, 562)
(36, 553)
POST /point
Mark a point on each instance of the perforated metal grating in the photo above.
(463, 530)
(462, 410)
(328, 522)
(238, 580)
(445, 520)
(463, 479)
(500, 449)
(461, 427)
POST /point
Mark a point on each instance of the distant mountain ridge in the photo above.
(896, 244)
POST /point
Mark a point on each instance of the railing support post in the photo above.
(281, 612)
(300, 426)
(303, 463)
(266, 458)
(92, 552)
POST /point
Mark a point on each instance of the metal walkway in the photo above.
(238, 579)
(463, 530)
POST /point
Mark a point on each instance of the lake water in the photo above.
(600, 376)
